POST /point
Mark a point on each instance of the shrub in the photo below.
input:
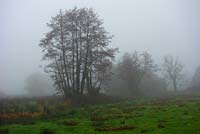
(4, 131)
(47, 131)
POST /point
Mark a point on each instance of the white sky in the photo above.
(158, 26)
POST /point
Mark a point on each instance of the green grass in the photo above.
(156, 116)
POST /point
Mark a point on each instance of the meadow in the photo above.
(168, 115)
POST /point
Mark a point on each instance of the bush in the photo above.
(4, 131)
(47, 131)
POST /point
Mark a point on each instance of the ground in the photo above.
(174, 115)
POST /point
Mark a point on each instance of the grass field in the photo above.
(177, 115)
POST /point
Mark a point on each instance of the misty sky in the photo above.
(158, 26)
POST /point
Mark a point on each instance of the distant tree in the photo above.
(173, 70)
(196, 80)
(130, 71)
(153, 85)
(2, 94)
(147, 64)
(76, 48)
(134, 67)
(37, 84)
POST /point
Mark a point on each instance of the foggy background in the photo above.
(158, 26)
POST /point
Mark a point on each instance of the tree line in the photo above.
(80, 60)
(136, 74)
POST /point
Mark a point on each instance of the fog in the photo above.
(158, 26)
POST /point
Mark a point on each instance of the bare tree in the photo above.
(173, 70)
(134, 67)
(153, 85)
(195, 84)
(148, 65)
(77, 50)
(130, 71)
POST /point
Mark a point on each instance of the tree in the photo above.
(134, 67)
(129, 70)
(37, 84)
(2, 94)
(147, 64)
(173, 70)
(153, 85)
(76, 48)
(196, 80)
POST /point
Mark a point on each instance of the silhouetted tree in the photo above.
(173, 70)
(77, 48)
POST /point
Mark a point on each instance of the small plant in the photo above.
(161, 125)
(4, 131)
(70, 123)
(144, 130)
(180, 104)
(122, 122)
(47, 131)
(72, 112)
(186, 113)
(98, 124)
(98, 118)
(123, 127)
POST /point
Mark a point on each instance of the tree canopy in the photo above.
(77, 50)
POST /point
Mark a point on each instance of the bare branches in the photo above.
(173, 70)
(133, 67)
(77, 48)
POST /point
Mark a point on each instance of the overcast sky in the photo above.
(158, 26)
